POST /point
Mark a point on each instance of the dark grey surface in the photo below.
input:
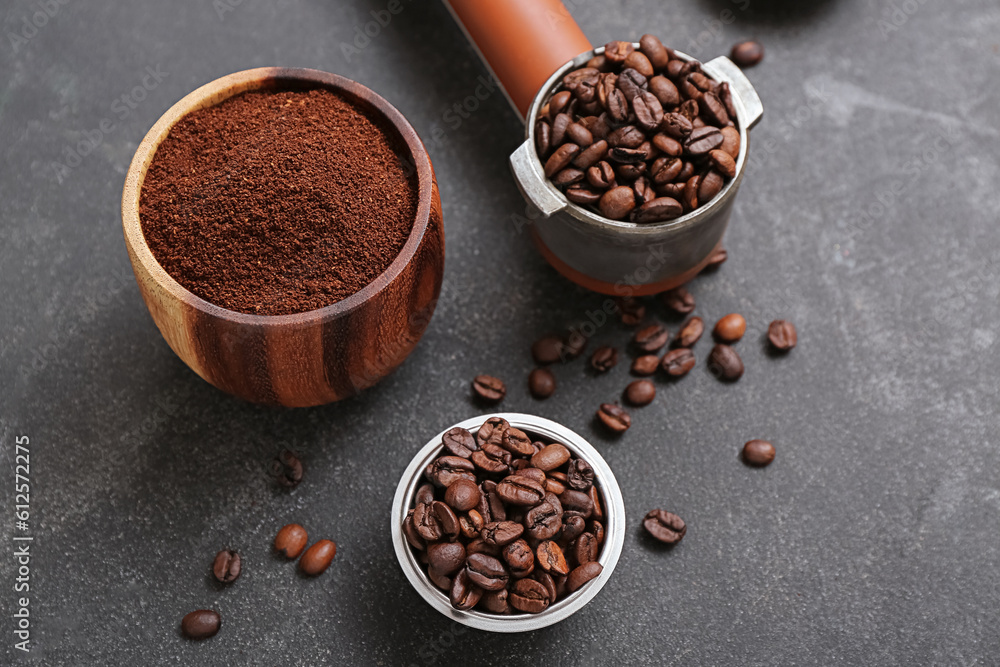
(873, 539)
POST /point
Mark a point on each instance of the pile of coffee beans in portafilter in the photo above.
(506, 523)
(639, 134)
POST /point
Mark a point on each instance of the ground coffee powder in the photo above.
(277, 202)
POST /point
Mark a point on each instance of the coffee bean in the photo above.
(702, 141)
(519, 558)
(425, 494)
(640, 392)
(625, 156)
(677, 125)
(496, 601)
(559, 102)
(489, 388)
(287, 469)
(579, 135)
(651, 338)
(576, 343)
(690, 332)
(560, 159)
(546, 580)
(591, 155)
(648, 110)
(640, 63)
(581, 194)
(601, 175)
(317, 558)
(543, 138)
(628, 136)
(710, 186)
(559, 125)
(689, 109)
(758, 453)
(616, 52)
(631, 311)
(730, 328)
(678, 362)
(492, 431)
(291, 540)
(730, 142)
(679, 300)
(717, 259)
(645, 365)
(201, 624)
(583, 574)
(713, 111)
(723, 162)
(541, 383)
(576, 502)
(459, 442)
(535, 474)
(665, 526)
(486, 572)
(604, 359)
(551, 558)
(581, 83)
(227, 566)
(548, 349)
(520, 490)
(782, 335)
(614, 417)
(617, 202)
(529, 596)
(554, 486)
(471, 523)
(445, 470)
(462, 495)
(585, 549)
(747, 54)
(464, 594)
(550, 457)
(690, 197)
(653, 49)
(632, 82)
(446, 558)
(725, 364)
(630, 172)
(658, 210)
(567, 177)
(516, 441)
(670, 147)
(617, 106)
(666, 169)
(501, 533)
(545, 519)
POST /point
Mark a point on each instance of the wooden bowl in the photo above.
(306, 358)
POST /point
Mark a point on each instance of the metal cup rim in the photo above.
(614, 540)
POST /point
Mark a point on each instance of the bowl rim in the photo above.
(614, 508)
(277, 78)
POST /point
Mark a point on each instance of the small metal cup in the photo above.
(619, 257)
(614, 510)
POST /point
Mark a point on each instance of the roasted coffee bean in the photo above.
(616, 52)
(653, 49)
(651, 338)
(617, 202)
(597, 529)
(625, 156)
(409, 532)
(713, 110)
(601, 175)
(665, 526)
(442, 581)
(614, 417)
(459, 442)
(492, 459)
(665, 91)
(517, 442)
(551, 457)
(640, 63)
(687, 171)
(546, 580)
(520, 490)
(722, 162)
(582, 83)
(492, 431)
(628, 136)
(580, 475)
(591, 155)
(501, 533)
(747, 54)
(554, 486)
(730, 328)
(585, 549)
(559, 102)
(573, 526)
(560, 159)
(676, 125)
(648, 110)
(486, 572)
(725, 364)
(579, 135)
(583, 195)
(678, 362)
(551, 558)
(478, 546)
(629, 172)
(446, 558)
(690, 197)
(679, 300)
(644, 192)
(545, 519)
(710, 186)
(576, 502)
(758, 453)
(576, 343)
(726, 95)
(666, 169)
(519, 558)
(226, 566)
(605, 87)
(531, 473)
(567, 177)
(426, 522)
(583, 574)
(669, 146)
(291, 540)
(782, 335)
(495, 601)
(689, 109)
(717, 259)
(201, 624)
(640, 392)
(631, 311)
(632, 83)
(548, 349)
(529, 596)
(462, 495)
(599, 125)
(690, 332)
(658, 210)
(541, 383)
(445, 470)
(464, 593)
(490, 506)
(604, 359)
(617, 106)
(286, 469)
(543, 138)
(730, 142)
(489, 388)
(645, 364)
(676, 68)
(559, 125)
(471, 523)
(703, 140)
(317, 558)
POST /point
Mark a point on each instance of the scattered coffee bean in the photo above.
(318, 557)
(782, 335)
(201, 624)
(665, 526)
(678, 362)
(542, 383)
(690, 332)
(604, 359)
(287, 469)
(640, 392)
(489, 388)
(548, 349)
(747, 54)
(227, 566)
(645, 365)
(651, 338)
(679, 300)
(631, 310)
(291, 540)
(725, 364)
(730, 328)
(758, 453)
(574, 346)
(614, 417)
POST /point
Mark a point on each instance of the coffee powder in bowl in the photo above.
(285, 230)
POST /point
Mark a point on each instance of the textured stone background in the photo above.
(869, 219)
